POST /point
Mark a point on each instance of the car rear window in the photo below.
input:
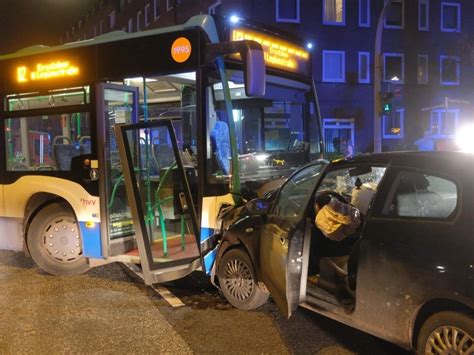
(422, 196)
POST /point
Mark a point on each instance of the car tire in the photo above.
(54, 241)
(449, 331)
(238, 281)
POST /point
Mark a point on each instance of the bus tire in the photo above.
(54, 241)
(238, 281)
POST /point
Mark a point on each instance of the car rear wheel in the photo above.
(447, 333)
(237, 279)
(54, 241)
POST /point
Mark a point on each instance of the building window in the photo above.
(393, 68)
(364, 67)
(213, 9)
(449, 70)
(424, 15)
(395, 17)
(130, 25)
(139, 21)
(334, 12)
(112, 20)
(422, 69)
(392, 125)
(334, 66)
(147, 15)
(450, 17)
(288, 11)
(156, 8)
(444, 123)
(338, 133)
(364, 13)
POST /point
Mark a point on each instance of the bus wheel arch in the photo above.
(52, 235)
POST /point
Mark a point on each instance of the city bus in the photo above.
(125, 147)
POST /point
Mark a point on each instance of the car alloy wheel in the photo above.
(449, 340)
(238, 280)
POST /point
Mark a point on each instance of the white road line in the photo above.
(168, 296)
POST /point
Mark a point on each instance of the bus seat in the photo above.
(64, 152)
(85, 144)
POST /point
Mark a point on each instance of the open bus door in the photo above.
(157, 180)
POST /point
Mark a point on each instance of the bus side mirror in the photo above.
(253, 60)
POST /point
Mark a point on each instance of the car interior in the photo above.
(332, 270)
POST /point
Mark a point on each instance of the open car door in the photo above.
(284, 240)
(157, 179)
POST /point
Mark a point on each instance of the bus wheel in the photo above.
(237, 279)
(54, 241)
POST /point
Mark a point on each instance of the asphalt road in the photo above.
(108, 310)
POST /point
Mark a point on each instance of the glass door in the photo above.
(116, 104)
(157, 177)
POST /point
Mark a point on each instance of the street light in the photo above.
(234, 19)
(378, 78)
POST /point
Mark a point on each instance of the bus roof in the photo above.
(205, 22)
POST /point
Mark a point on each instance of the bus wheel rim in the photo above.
(238, 280)
(449, 340)
(61, 240)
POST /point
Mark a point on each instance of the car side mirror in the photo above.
(253, 61)
(258, 206)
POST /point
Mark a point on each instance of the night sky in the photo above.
(28, 22)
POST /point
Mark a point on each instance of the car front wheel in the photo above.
(449, 333)
(238, 282)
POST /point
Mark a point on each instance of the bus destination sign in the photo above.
(46, 71)
(279, 54)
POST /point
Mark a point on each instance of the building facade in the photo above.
(427, 59)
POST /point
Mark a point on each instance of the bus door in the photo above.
(157, 180)
(116, 104)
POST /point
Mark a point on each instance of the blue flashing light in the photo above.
(234, 19)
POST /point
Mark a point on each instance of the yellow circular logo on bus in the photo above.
(181, 50)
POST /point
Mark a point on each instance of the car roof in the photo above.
(450, 160)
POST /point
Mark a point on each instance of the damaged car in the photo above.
(405, 274)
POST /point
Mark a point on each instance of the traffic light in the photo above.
(386, 101)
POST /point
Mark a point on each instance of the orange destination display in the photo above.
(46, 71)
(279, 54)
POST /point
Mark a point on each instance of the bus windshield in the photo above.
(275, 134)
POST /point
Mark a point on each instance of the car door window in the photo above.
(357, 184)
(420, 195)
(295, 194)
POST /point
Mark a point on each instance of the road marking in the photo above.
(168, 296)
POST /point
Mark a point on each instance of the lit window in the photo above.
(213, 9)
(393, 68)
(449, 70)
(392, 124)
(422, 69)
(395, 17)
(147, 15)
(364, 13)
(112, 20)
(334, 12)
(139, 21)
(450, 17)
(364, 67)
(334, 66)
(156, 8)
(444, 123)
(424, 15)
(288, 11)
